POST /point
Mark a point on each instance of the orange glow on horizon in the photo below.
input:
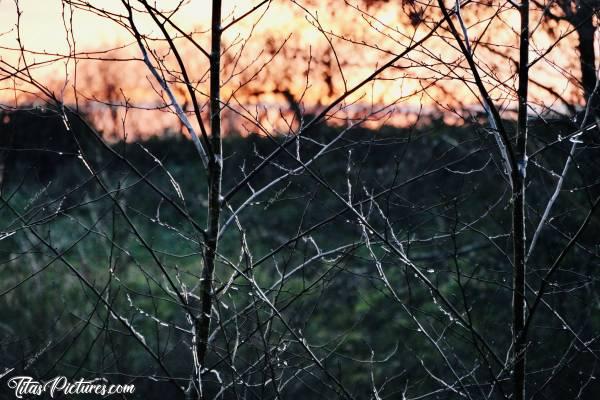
(254, 78)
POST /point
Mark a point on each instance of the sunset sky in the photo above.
(363, 38)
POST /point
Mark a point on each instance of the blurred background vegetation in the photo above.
(449, 206)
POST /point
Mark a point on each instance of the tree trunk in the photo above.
(584, 25)
(215, 170)
(518, 195)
